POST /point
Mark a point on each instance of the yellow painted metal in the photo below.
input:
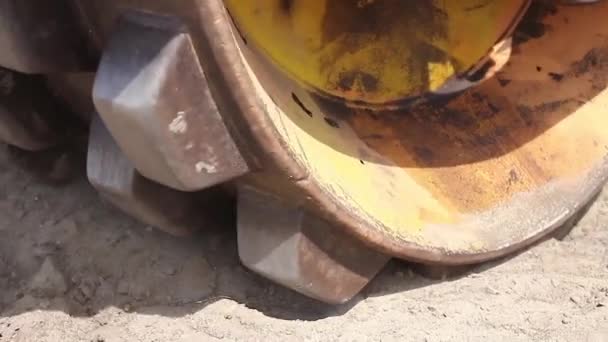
(374, 51)
(440, 176)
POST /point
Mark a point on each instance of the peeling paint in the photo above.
(179, 124)
(207, 167)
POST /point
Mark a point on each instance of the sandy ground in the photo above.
(74, 269)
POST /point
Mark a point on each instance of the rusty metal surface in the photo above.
(113, 175)
(27, 112)
(376, 53)
(470, 179)
(151, 83)
(40, 37)
(551, 198)
(234, 91)
(300, 251)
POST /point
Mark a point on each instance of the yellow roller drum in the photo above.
(374, 51)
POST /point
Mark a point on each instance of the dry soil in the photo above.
(74, 269)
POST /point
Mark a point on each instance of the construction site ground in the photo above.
(72, 268)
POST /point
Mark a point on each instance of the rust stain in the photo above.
(286, 6)
(378, 18)
(353, 23)
(438, 143)
(533, 25)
